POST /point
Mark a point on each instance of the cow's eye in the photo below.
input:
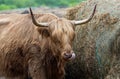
(56, 40)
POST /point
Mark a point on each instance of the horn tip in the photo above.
(30, 9)
(95, 6)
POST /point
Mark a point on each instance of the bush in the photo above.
(6, 4)
(6, 7)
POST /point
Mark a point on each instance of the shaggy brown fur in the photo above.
(30, 51)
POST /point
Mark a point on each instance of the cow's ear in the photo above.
(43, 31)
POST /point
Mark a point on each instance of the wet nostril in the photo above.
(67, 55)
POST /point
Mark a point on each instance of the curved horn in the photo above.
(35, 22)
(85, 20)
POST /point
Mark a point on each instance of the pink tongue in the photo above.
(73, 56)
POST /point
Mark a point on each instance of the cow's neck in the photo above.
(54, 65)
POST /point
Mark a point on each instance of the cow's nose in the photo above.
(69, 56)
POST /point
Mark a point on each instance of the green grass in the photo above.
(13, 4)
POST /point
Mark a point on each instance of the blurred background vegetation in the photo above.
(13, 4)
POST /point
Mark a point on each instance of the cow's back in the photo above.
(13, 33)
(17, 32)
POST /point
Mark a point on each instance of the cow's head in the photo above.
(61, 33)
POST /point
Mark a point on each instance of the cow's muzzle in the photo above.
(69, 56)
